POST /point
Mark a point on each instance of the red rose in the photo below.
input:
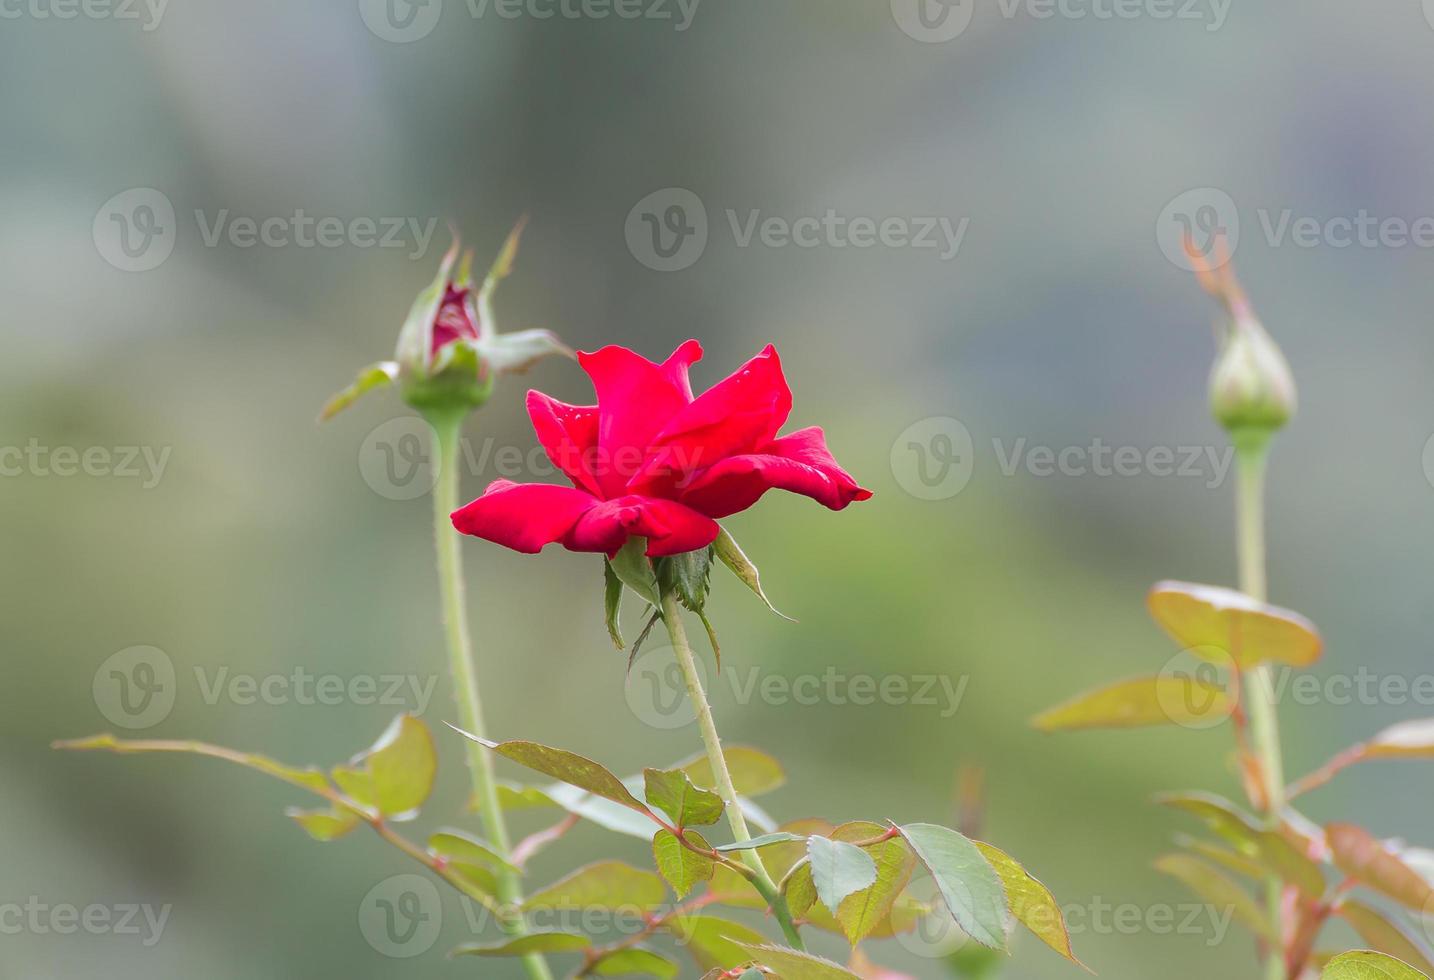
(651, 460)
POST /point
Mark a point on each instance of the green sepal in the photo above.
(731, 555)
(379, 375)
(459, 380)
(612, 603)
(688, 576)
(632, 566)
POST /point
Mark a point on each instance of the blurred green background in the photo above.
(263, 548)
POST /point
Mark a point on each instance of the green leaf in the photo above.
(1361, 856)
(1409, 739)
(792, 965)
(682, 868)
(1275, 851)
(310, 779)
(324, 825)
(378, 375)
(605, 813)
(1031, 902)
(612, 603)
(716, 944)
(396, 775)
(673, 792)
(1230, 860)
(754, 772)
(779, 837)
(1213, 885)
(838, 870)
(1366, 965)
(567, 766)
(512, 796)
(731, 555)
(688, 576)
(1223, 625)
(969, 885)
(861, 913)
(780, 858)
(800, 890)
(458, 847)
(631, 565)
(604, 885)
(1384, 934)
(536, 942)
(633, 960)
(1138, 702)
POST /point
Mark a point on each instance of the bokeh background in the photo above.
(263, 548)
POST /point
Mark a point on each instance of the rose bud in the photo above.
(1251, 386)
(449, 350)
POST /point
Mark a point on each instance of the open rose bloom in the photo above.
(651, 460)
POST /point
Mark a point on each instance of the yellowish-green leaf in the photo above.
(537, 942)
(860, 914)
(732, 556)
(716, 944)
(567, 766)
(1223, 625)
(673, 792)
(633, 961)
(781, 858)
(605, 885)
(1031, 902)
(459, 847)
(682, 867)
(1368, 965)
(324, 825)
(1234, 861)
(1275, 851)
(1385, 935)
(1409, 739)
(396, 775)
(1140, 702)
(792, 965)
(754, 772)
(1213, 885)
(1367, 860)
(310, 779)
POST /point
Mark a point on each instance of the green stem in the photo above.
(672, 617)
(448, 429)
(1252, 450)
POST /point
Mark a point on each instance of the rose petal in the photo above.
(569, 437)
(523, 516)
(453, 320)
(737, 416)
(799, 462)
(635, 399)
(670, 528)
(677, 364)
